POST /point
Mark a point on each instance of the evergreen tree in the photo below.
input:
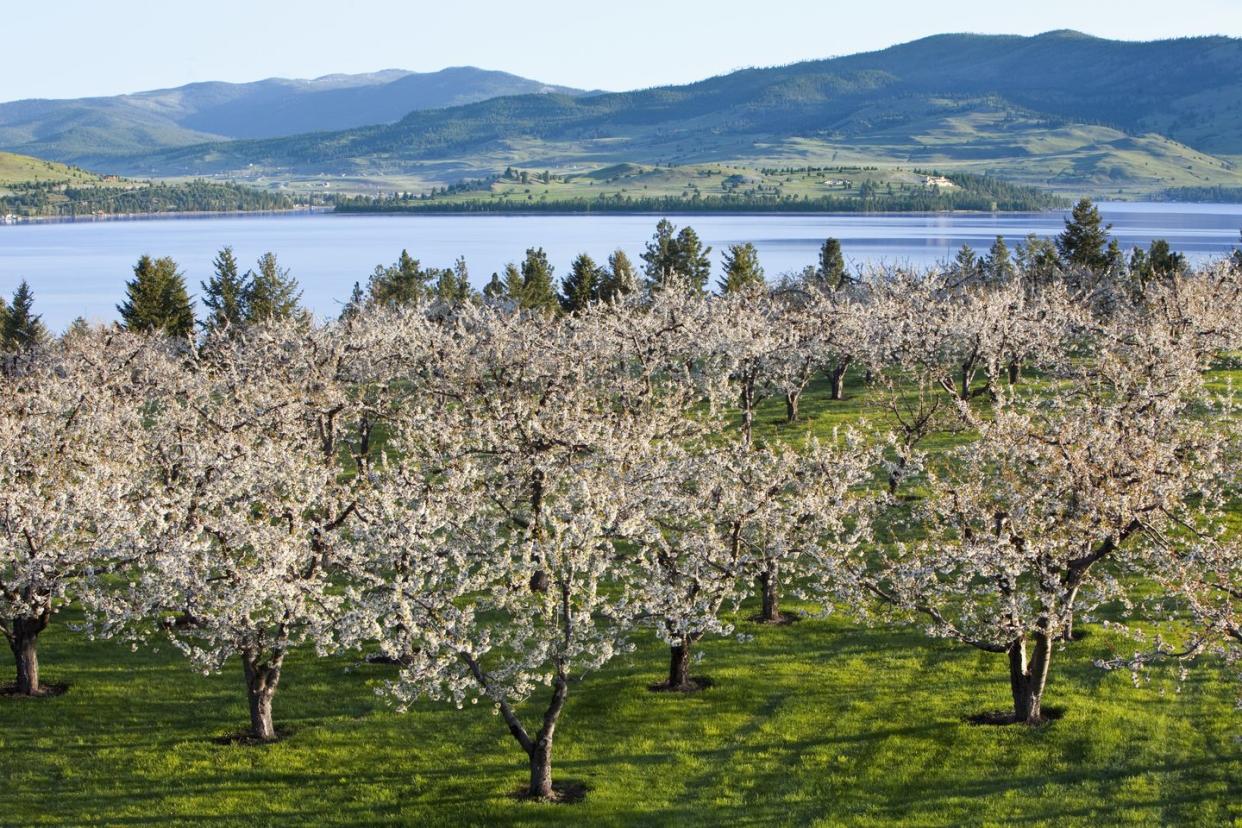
(967, 265)
(21, 329)
(1084, 243)
(402, 283)
(660, 255)
(581, 286)
(692, 259)
(156, 299)
(537, 291)
(1158, 263)
(998, 266)
(742, 270)
(831, 270)
(495, 288)
(1039, 265)
(620, 279)
(224, 294)
(272, 293)
(78, 327)
(453, 284)
(512, 281)
(1140, 267)
(357, 301)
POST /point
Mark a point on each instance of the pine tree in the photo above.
(581, 286)
(453, 283)
(495, 288)
(512, 280)
(402, 283)
(1085, 240)
(357, 301)
(742, 271)
(272, 293)
(537, 291)
(1038, 262)
(966, 265)
(620, 279)
(660, 255)
(156, 299)
(78, 327)
(831, 271)
(693, 261)
(224, 294)
(1157, 263)
(22, 329)
(998, 266)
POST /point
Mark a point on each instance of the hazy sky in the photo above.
(74, 48)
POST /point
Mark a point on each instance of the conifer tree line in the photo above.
(499, 494)
(157, 297)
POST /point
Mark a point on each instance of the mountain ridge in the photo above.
(88, 130)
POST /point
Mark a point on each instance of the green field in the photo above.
(819, 722)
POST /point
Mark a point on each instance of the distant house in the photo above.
(937, 181)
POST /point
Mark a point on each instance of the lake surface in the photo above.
(81, 268)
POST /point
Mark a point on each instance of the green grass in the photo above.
(23, 169)
(822, 722)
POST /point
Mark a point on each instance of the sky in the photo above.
(78, 48)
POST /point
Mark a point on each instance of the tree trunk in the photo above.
(897, 475)
(748, 410)
(838, 380)
(1015, 372)
(1029, 676)
(769, 590)
(1067, 631)
(261, 681)
(965, 391)
(679, 666)
(540, 749)
(791, 405)
(541, 770)
(25, 646)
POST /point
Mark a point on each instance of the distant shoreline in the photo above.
(166, 215)
(330, 211)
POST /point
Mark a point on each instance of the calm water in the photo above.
(80, 269)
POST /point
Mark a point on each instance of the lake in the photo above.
(80, 268)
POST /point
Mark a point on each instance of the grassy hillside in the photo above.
(822, 722)
(1060, 110)
(627, 187)
(34, 188)
(23, 169)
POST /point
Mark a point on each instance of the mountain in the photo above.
(1059, 109)
(92, 130)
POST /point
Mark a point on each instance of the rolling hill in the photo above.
(91, 131)
(1060, 109)
(24, 170)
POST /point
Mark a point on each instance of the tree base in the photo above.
(247, 739)
(563, 793)
(47, 690)
(1007, 717)
(694, 685)
(781, 619)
